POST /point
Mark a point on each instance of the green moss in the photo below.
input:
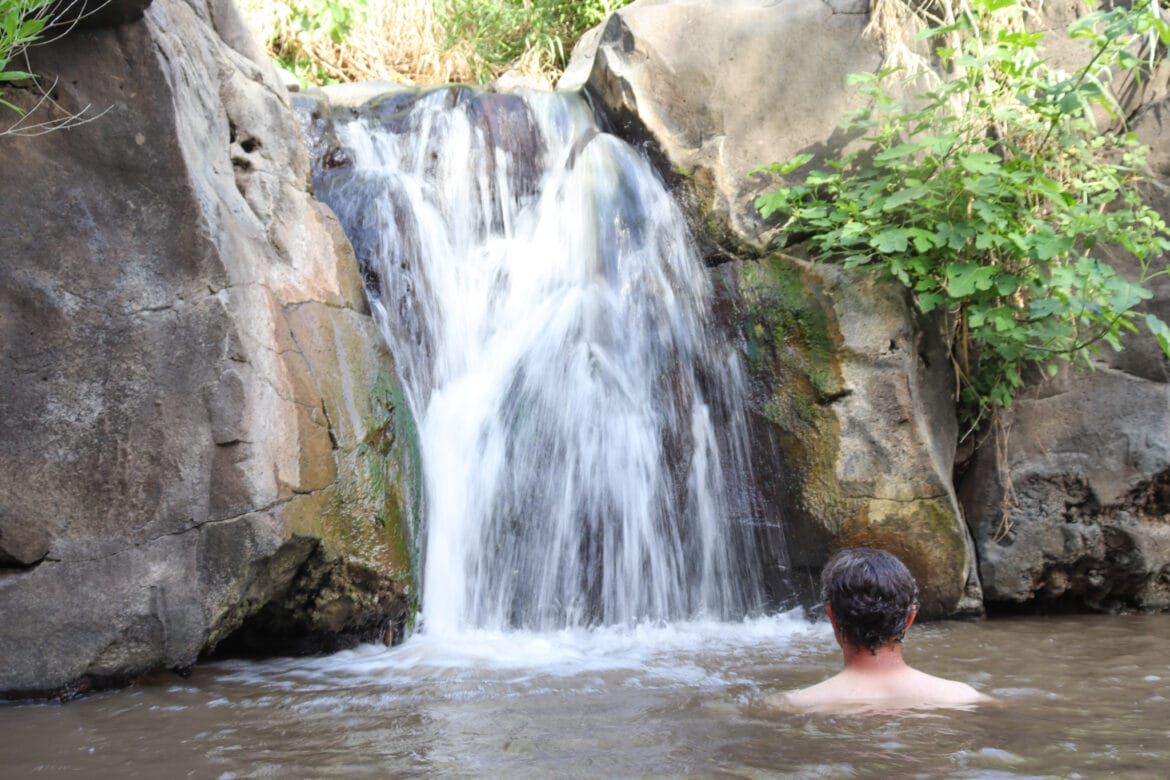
(696, 189)
(398, 486)
(788, 314)
(791, 344)
(791, 340)
(368, 518)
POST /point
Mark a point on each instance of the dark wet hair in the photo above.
(871, 593)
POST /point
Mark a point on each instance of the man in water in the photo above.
(871, 599)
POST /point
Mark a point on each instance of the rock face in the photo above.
(721, 88)
(852, 391)
(198, 431)
(1087, 478)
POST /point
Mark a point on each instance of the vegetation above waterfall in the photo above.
(25, 23)
(21, 23)
(998, 192)
(422, 41)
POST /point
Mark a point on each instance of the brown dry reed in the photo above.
(402, 41)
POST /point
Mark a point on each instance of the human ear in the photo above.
(833, 622)
(913, 614)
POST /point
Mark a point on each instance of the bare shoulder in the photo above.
(842, 689)
(911, 689)
(943, 692)
(798, 700)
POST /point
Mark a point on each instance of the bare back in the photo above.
(905, 688)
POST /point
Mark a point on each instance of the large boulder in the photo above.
(201, 441)
(855, 428)
(853, 420)
(1069, 507)
(720, 88)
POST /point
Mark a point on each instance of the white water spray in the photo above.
(581, 426)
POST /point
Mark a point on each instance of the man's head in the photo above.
(872, 595)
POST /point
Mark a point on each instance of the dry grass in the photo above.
(404, 41)
(399, 40)
(897, 23)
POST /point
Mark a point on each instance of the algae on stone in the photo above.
(839, 364)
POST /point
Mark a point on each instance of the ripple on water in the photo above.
(682, 701)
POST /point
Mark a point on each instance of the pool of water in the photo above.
(1077, 697)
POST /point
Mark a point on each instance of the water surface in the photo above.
(1079, 697)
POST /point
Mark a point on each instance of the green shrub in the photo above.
(502, 32)
(21, 24)
(421, 41)
(990, 194)
(303, 36)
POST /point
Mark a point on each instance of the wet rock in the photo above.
(509, 126)
(853, 428)
(1070, 509)
(197, 416)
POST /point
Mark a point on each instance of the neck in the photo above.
(886, 659)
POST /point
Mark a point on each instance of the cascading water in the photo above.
(580, 422)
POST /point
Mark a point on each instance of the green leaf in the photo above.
(1002, 319)
(799, 161)
(929, 301)
(769, 203)
(964, 279)
(923, 240)
(897, 153)
(891, 240)
(1006, 284)
(985, 240)
(1025, 40)
(942, 143)
(1047, 245)
(936, 31)
(903, 196)
(851, 232)
(982, 163)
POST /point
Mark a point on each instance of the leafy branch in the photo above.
(990, 193)
(26, 23)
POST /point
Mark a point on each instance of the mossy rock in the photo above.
(845, 385)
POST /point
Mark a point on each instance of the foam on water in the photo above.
(686, 652)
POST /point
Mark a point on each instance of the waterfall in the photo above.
(581, 421)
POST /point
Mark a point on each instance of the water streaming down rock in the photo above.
(581, 423)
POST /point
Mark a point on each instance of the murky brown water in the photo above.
(1080, 697)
